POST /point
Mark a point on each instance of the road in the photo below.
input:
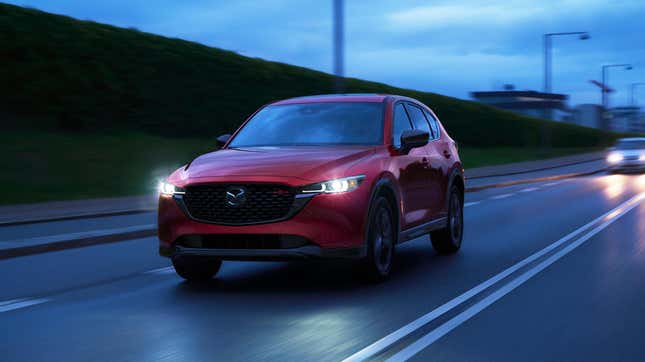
(547, 271)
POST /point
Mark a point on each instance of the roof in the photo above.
(325, 98)
(531, 94)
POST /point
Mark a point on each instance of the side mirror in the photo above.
(221, 140)
(413, 138)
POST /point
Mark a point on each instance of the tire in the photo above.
(448, 240)
(381, 239)
(196, 268)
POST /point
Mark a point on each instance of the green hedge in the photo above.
(64, 74)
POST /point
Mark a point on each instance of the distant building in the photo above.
(530, 103)
(626, 119)
(588, 115)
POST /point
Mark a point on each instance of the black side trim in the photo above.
(415, 232)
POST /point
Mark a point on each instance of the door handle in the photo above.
(446, 154)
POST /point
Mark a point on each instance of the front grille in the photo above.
(261, 203)
(631, 158)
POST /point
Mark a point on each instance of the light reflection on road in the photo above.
(614, 185)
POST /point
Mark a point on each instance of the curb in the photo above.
(535, 169)
(532, 180)
(75, 217)
(75, 243)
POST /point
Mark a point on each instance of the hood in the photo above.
(305, 162)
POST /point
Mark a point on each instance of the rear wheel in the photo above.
(448, 239)
(196, 268)
(381, 238)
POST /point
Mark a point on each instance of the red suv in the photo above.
(331, 176)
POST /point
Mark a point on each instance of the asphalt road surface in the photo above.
(551, 271)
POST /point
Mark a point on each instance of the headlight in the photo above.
(334, 186)
(642, 158)
(169, 189)
(614, 157)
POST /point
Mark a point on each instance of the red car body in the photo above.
(326, 225)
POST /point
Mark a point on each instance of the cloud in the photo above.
(451, 47)
(454, 15)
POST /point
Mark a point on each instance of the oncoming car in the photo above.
(627, 155)
(330, 176)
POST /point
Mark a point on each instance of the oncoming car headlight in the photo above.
(169, 189)
(335, 186)
(642, 157)
(614, 157)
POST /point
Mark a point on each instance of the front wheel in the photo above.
(381, 237)
(448, 239)
(196, 268)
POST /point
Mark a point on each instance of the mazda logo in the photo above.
(235, 196)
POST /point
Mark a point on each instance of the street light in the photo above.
(583, 35)
(604, 89)
(633, 91)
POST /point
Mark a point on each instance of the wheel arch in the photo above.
(457, 179)
(387, 188)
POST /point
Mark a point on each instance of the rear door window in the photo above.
(400, 123)
(419, 121)
(434, 124)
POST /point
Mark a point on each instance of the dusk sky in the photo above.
(448, 47)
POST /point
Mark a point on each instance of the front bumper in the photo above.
(628, 165)
(333, 226)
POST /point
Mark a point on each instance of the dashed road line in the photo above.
(166, 270)
(472, 203)
(553, 183)
(13, 304)
(502, 196)
(529, 189)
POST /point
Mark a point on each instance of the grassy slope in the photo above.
(58, 166)
(95, 110)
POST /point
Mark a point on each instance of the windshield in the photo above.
(631, 145)
(341, 123)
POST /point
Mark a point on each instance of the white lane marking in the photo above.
(400, 333)
(78, 235)
(20, 303)
(166, 270)
(530, 189)
(471, 203)
(553, 183)
(11, 301)
(502, 196)
(453, 323)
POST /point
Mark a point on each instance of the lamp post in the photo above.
(338, 45)
(633, 92)
(605, 87)
(583, 35)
